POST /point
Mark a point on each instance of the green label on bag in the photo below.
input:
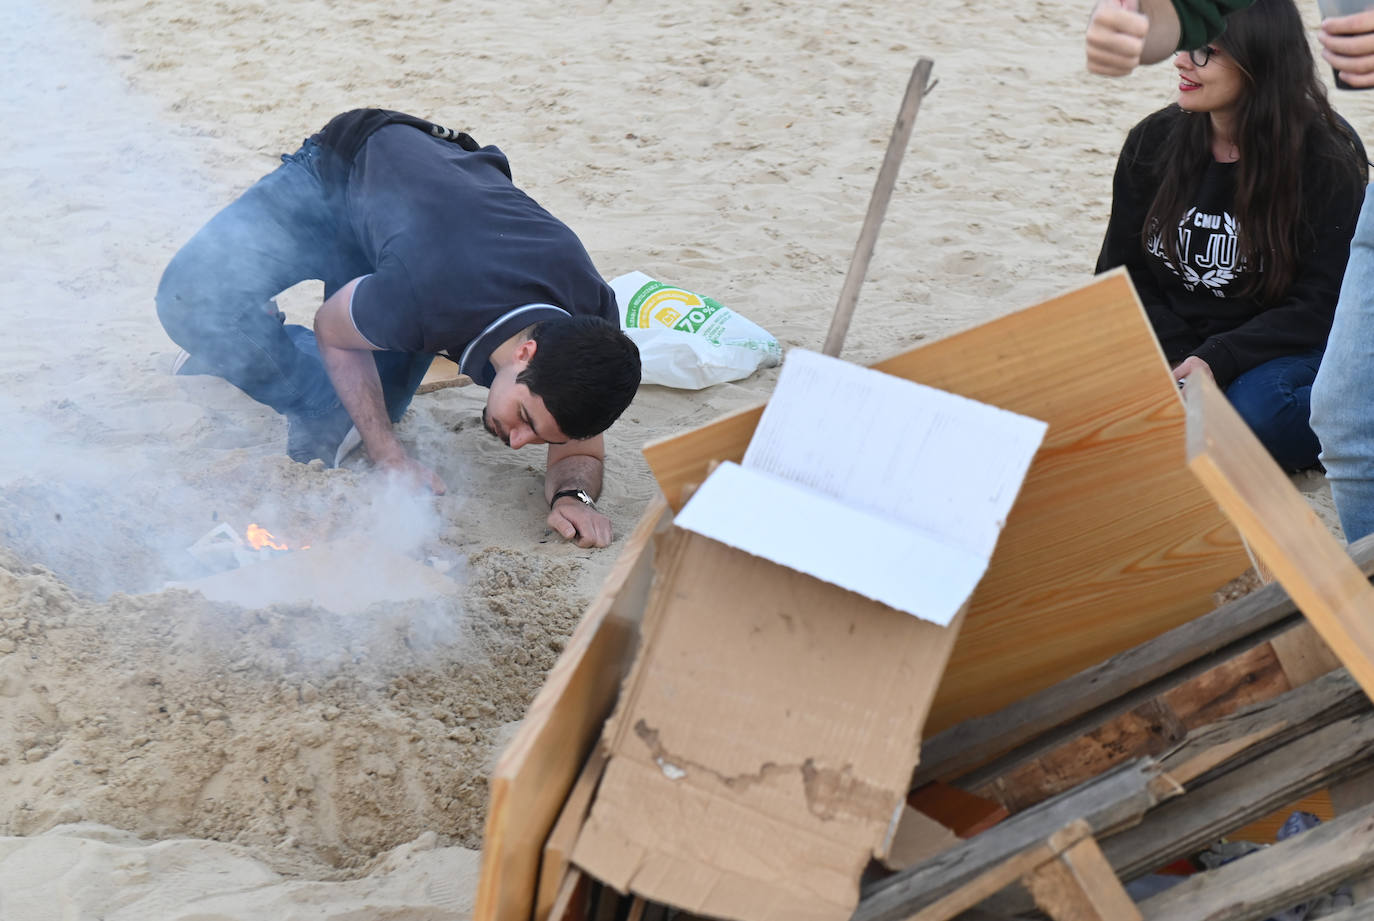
(658, 304)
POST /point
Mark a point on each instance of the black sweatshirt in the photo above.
(1196, 309)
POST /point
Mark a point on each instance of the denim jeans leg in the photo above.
(1274, 399)
(400, 372)
(214, 294)
(1343, 394)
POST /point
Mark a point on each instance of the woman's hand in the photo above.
(1193, 365)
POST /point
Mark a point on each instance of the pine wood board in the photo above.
(442, 373)
(1111, 541)
(537, 769)
(558, 847)
(1281, 527)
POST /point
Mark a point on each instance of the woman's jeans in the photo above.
(216, 297)
(1274, 399)
(1343, 394)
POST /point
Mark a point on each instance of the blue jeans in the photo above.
(1274, 399)
(1343, 395)
(216, 296)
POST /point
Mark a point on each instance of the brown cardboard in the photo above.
(918, 838)
(762, 746)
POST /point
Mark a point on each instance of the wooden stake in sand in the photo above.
(916, 89)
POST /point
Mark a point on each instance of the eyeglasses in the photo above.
(1202, 55)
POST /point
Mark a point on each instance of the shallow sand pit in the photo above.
(324, 739)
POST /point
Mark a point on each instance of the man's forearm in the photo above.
(578, 471)
(354, 375)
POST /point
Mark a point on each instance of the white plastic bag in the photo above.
(687, 340)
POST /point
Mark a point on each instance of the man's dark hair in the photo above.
(585, 369)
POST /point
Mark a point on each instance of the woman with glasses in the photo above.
(1233, 210)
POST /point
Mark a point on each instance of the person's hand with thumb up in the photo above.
(1121, 36)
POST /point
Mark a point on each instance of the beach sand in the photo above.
(164, 756)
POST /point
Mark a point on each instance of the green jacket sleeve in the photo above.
(1200, 21)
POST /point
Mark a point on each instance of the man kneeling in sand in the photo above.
(425, 246)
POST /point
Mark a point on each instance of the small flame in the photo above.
(259, 537)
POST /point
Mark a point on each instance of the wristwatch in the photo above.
(580, 495)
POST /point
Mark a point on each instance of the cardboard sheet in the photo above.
(885, 487)
(762, 746)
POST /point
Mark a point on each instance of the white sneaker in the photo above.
(350, 443)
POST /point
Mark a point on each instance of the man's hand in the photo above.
(579, 522)
(411, 472)
(1348, 46)
(1193, 365)
(1116, 37)
(347, 356)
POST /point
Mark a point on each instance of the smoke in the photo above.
(110, 467)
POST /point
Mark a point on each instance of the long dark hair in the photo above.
(1283, 121)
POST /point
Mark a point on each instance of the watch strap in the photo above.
(580, 495)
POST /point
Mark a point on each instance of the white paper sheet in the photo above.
(885, 487)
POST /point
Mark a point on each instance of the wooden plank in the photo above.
(1215, 809)
(539, 766)
(1349, 796)
(1075, 706)
(1303, 655)
(558, 847)
(1149, 729)
(1003, 874)
(1281, 527)
(1038, 723)
(1113, 801)
(1079, 885)
(1275, 878)
(442, 373)
(1110, 543)
(1264, 727)
(916, 88)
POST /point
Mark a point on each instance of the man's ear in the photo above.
(525, 351)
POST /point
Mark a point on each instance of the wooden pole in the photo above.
(916, 89)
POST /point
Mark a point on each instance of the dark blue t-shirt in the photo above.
(463, 260)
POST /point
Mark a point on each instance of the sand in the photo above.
(167, 756)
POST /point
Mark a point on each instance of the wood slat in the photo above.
(1275, 878)
(442, 373)
(1281, 527)
(1147, 730)
(1079, 885)
(1003, 874)
(558, 847)
(1115, 800)
(1193, 821)
(535, 772)
(1264, 727)
(1042, 721)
